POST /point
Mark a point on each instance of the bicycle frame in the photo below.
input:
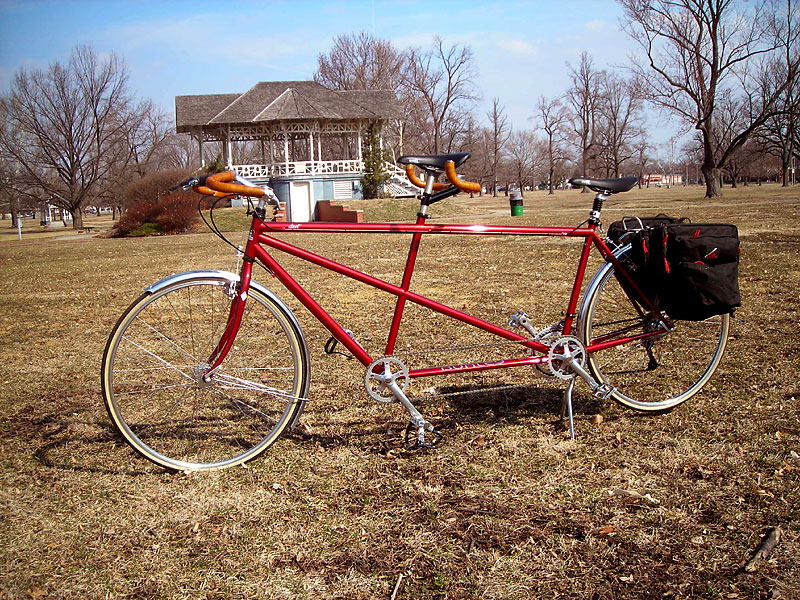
(260, 237)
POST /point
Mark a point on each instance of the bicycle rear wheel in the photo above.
(152, 375)
(655, 374)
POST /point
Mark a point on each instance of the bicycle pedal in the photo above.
(417, 438)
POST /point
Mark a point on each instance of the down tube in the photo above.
(303, 296)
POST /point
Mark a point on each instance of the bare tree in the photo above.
(359, 61)
(697, 49)
(729, 121)
(583, 99)
(553, 118)
(438, 88)
(149, 145)
(641, 155)
(523, 158)
(181, 152)
(151, 139)
(499, 132)
(780, 133)
(67, 127)
(620, 107)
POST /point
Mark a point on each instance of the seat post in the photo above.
(430, 179)
(597, 206)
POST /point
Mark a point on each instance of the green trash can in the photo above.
(516, 204)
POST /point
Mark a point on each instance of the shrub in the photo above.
(374, 175)
(153, 210)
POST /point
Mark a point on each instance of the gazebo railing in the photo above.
(325, 167)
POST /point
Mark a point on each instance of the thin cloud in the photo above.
(597, 25)
(518, 47)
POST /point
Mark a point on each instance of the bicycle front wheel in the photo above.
(655, 374)
(152, 374)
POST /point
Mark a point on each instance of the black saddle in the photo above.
(621, 184)
(434, 161)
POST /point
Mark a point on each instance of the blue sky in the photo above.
(176, 47)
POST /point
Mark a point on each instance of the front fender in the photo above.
(189, 276)
(227, 276)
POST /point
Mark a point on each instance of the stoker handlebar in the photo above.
(452, 176)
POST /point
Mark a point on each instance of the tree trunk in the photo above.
(712, 176)
(77, 219)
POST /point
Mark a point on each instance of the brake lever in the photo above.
(272, 198)
(185, 184)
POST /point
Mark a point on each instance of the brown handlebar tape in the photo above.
(206, 191)
(412, 177)
(219, 182)
(464, 186)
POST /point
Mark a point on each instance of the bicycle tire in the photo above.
(153, 388)
(657, 374)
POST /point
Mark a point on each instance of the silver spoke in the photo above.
(158, 358)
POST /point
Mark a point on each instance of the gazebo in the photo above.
(300, 137)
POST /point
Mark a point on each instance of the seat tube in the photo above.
(576, 287)
(405, 285)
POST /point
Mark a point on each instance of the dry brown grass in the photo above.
(508, 507)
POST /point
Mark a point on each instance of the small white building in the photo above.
(299, 137)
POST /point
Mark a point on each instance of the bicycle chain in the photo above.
(462, 348)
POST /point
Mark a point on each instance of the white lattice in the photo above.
(326, 167)
(253, 171)
(399, 189)
(277, 133)
(398, 185)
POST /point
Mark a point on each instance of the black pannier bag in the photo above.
(620, 231)
(691, 271)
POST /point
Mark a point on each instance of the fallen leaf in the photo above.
(35, 593)
(608, 530)
(597, 419)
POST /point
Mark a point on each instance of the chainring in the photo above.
(562, 349)
(383, 371)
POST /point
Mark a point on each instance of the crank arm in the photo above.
(601, 390)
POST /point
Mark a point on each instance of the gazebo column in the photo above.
(271, 153)
(285, 148)
(311, 149)
(360, 157)
(200, 147)
(228, 149)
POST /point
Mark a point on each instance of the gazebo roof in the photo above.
(274, 101)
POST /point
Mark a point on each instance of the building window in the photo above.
(342, 190)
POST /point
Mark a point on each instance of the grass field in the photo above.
(507, 507)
